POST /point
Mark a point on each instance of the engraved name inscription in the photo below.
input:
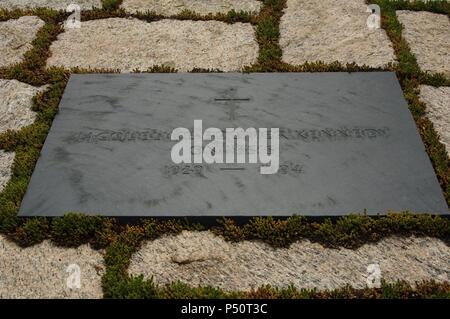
(119, 136)
(333, 134)
(305, 135)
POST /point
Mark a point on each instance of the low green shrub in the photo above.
(74, 229)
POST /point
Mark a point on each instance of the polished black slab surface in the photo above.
(348, 144)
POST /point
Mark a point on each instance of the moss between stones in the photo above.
(136, 287)
(111, 4)
(230, 17)
(121, 240)
(442, 6)
(114, 11)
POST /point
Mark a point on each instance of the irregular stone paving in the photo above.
(52, 4)
(129, 44)
(330, 30)
(437, 101)
(428, 35)
(42, 271)
(172, 7)
(16, 101)
(6, 162)
(16, 36)
(201, 258)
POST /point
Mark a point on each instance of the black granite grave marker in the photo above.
(347, 144)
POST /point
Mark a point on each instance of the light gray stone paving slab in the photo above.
(129, 44)
(428, 35)
(52, 4)
(48, 271)
(6, 162)
(172, 7)
(332, 30)
(347, 144)
(203, 259)
(16, 36)
(437, 101)
(16, 101)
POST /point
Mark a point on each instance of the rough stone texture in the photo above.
(15, 38)
(16, 100)
(6, 162)
(170, 7)
(41, 271)
(128, 44)
(331, 30)
(428, 35)
(200, 258)
(53, 4)
(438, 109)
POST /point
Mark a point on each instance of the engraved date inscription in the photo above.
(199, 170)
(291, 168)
(183, 169)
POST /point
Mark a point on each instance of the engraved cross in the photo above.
(232, 107)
